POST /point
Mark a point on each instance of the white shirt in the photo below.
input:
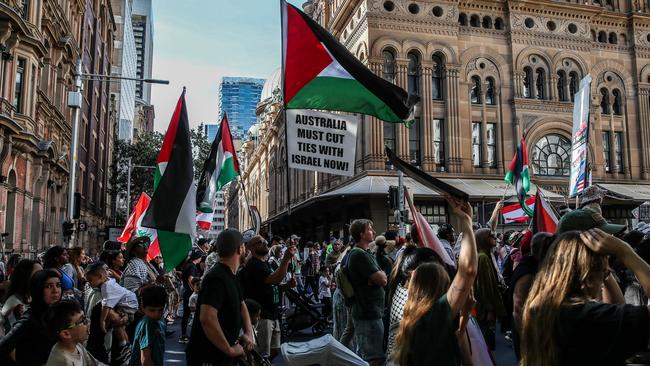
(59, 357)
(114, 295)
(324, 287)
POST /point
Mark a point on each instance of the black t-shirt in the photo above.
(601, 334)
(190, 269)
(220, 289)
(252, 278)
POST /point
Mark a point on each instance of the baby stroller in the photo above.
(304, 316)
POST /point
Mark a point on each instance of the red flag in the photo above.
(134, 227)
(427, 236)
(544, 218)
(515, 213)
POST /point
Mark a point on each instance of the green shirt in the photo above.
(149, 334)
(368, 299)
(439, 347)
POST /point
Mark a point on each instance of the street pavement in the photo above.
(175, 352)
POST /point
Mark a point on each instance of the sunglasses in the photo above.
(81, 321)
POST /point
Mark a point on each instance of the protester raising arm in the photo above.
(603, 243)
(494, 219)
(279, 274)
(460, 288)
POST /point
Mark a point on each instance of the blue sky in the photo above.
(196, 42)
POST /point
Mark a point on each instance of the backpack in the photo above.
(343, 280)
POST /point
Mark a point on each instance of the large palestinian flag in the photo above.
(220, 168)
(172, 210)
(517, 175)
(320, 73)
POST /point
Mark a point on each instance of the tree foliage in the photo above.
(143, 153)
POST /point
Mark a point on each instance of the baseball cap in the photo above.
(248, 235)
(586, 219)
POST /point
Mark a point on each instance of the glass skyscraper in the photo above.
(211, 130)
(238, 97)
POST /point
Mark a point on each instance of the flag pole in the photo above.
(248, 205)
(283, 24)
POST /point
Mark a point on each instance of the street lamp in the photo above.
(74, 101)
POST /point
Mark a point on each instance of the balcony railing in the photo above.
(6, 108)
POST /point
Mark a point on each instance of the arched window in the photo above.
(617, 106)
(462, 19)
(528, 82)
(489, 92)
(413, 73)
(388, 70)
(561, 85)
(539, 85)
(612, 38)
(602, 37)
(552, 156)
(498, 24)
(475, 21)
(436, 76)
(476, 90)
(487, 22)
(604, 101)
(574, 83)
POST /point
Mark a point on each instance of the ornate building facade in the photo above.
(487, 72)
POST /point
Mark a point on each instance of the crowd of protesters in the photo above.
(575, 296)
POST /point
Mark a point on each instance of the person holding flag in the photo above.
(518, 176)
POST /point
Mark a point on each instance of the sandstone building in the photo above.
(487, 71)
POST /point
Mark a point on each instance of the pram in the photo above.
(323, 351)
(304, 316)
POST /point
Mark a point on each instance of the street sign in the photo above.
(82, 226)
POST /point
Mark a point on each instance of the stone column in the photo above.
(402, 138)
(452, 123)
(644, 100)
(552, 92)
(499, 131)
(625, 146)
(426, 135)
(612, 139)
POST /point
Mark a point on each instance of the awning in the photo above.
(372, 184)
(492, 189)
(633, 192)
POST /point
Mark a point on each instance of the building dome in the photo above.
(273, 82)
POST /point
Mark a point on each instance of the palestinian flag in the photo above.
(517, 175)
(515, 213)
(172, 210)
(204, 220)
(220, 168)
(320, 73)
(134, 227)
(544, 219)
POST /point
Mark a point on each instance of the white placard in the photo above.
(323, 142)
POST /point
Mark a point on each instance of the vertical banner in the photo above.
(323, 142)
(580, 138)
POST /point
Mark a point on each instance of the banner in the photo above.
(323, 142)
(580, 138)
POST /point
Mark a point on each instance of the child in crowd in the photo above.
(324, 293)
(149, 340)
(118, 304)
(196, 287)
(67, 322)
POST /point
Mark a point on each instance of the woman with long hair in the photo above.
(575, 312)
(29, 342)
(114, 259)
(428, 334)
(57, 258)
(17, 301)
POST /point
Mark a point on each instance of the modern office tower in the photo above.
(238, 97)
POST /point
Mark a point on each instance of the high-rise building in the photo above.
(125, 66)
(238, 97)
(210, 130)
(142, 19)
(219, 218)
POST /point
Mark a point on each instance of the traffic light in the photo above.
(393, 197)
(68, 229)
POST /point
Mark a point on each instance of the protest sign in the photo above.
(323, 142)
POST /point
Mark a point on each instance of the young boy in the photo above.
(149, 341)
(118, 303)
(67, 322)
(324, 293)
(196, 287)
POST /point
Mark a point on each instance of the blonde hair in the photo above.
(427, 284)
(564, 278)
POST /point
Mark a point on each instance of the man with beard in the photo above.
(221, 312)
(260, 283)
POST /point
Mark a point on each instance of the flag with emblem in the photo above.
(517, 175)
